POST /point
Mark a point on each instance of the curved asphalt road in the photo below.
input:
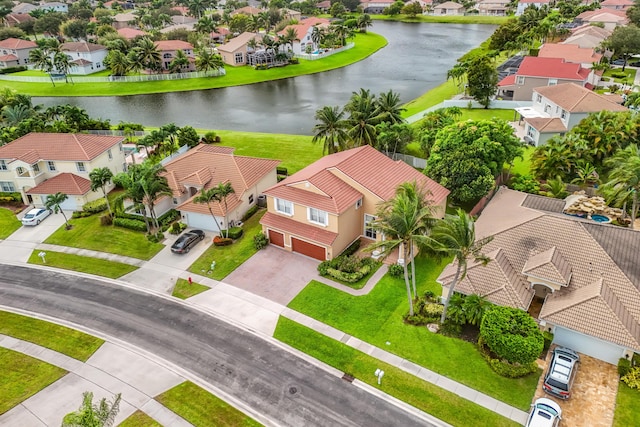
(239, 363)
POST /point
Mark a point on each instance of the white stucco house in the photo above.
(86, 58)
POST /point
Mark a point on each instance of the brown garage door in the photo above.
(308, 249)
(276, 238)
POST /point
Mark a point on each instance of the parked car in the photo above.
(634, 64)
(617, 62)
(35, 216)
(187, 241)
(544, 413)
(561, 373)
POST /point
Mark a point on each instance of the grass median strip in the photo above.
(139, 419)
(59, 338)
(183, 289)
(83, 264)
(8, 223)
(404, 386)
(22, 377)
(203, 409)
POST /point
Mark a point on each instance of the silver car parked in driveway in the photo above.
(35, 216)
(561, 373)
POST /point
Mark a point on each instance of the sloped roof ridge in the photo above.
(584, 294)
(620, 311)
(75, 138)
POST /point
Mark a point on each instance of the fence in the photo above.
(416, 162)
(124, 79)
(117, 133)
(313, 57)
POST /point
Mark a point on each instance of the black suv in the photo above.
(562, 372)
(186, 241)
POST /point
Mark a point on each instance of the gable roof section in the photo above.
(17, 44)
(66, 183)
(131, 33)
(570, 53)
(57, 146)
(308, 231)
(546, 125)
(549, 265)
(302, 28)
(170, 45)
(603, 15)
(81, 47)
(557, 68)
(237, 42)
(577, 99)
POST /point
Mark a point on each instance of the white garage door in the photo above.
(70, 204)
(204, 222)
(588, 345)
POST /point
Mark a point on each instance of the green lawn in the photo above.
(87, 233)
(377, 319)
(201, 408)
(402, 385)
(8, 223)
(434, 97)
(59, 338)
(627, 403)
(139, 419)
(22, 377)
(523, 165)
(486, 114)
(228, 258)
(630, 72)
(184, 290)
(365, 45)
(84, 264)
(445, 19)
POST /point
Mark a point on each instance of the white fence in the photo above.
(107, 79)
(313, 57)
(412, 161)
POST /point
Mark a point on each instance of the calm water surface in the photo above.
(415, 60)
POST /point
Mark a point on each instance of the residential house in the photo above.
(168, 49)
(616, 4)
(39, 164)
(15, 19)
(86, 58)
(449, 8)
(290, 14)
(610, 18)
(131, 33)
(124, 20)
(54, 6)
(324, 6)
(206, 166)
(557, 109)
(220, 35)
(234, 52)
(24, 8)
(247, 10)
(536, 72)
(588, 36)
(579, 279)
(304, 33)
(375, 6)
(493, 7)
(15, 52)
(323, 208)
(524, 4)
(586, 57)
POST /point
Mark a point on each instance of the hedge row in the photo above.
(504, 368)
(96, 206)
(131, 224)
(349, 277)
(6, 196)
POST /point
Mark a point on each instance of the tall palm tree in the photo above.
(99, 178)
(389, 108)
(41, 60)
(205, 25)
(206, 61)
(331, 129)
(62, 64)
(131, 182)
(148, 54)
(154, 186)
(208, 196)
(364, 21)
(118, 62)
(363, 118)
(624, 179)
(455, 236)
(224, 190)
(53, 202)
(179, 62)
(289, 36)
(101, 415)
(404, 221)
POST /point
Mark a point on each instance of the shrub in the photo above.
(252, 210)
(525, 183)
(234, 233)
(512, 335)
(624, 366)
(222, 241)
(80, 214)
(168, 217)
(152, 238)
(504, 368)
(106, 219)
(10, 196)
(548, 339)
(632, 378)
(10, 70)
(129, 216)
(618, 75)
(132, 126)
(323, 267)
(96, 206)
(451, 329)
(260, 241)
(456, 312)
(177, 227)
(132, 224)
(351, 249)
(396, 270)
(282, 171)
(210, 138)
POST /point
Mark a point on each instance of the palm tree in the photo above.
(205, 25)
(131, 182)
(100, 415)
(53, 202)
(289, 36)
(209, 196)
(555, 188)
(364, 21)
(404, 221)
(118, 62)
(196, 8)
(206, 61)
(474, 307)
(331, 129)
(317, 34)
(154, 186)
(62, 63)
(100, 177)
(624, 179)
(455, 236)
(224, 190)
(41, 59)
(586, 175)
(12, 115)
(148, 54)
(179, 62)
(363, 118)
(389, 108)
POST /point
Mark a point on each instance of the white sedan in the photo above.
(35, 216)
(544, 413)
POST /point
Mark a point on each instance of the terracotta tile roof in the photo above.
(169, 45)
(66, 183)
(8, 58)
(58, 146)
(549, 265)
(17, 44)
(546, 125)
(81, 47)
(570, 53)
(238, 42)
(130, 33)
(577, 99)
(556, 68)
(508, 81)
(592, 30)
(18, 18)
(603, 15)
(616, 3)
(207, 166)
(125, 17)
(363, 165)
(302, 28)
(247, 10)
(307, 231)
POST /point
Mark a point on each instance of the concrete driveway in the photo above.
(275, 274)
(22, 242)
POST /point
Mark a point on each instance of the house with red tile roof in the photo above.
(616, 4)
(536, 72)
(168, 50)
(450, 8)
(15, 19)
(86, 58)
(15, 52)
(588, 36)
(131, 33)
(610, 18)
(578, 278)
(234, 52)
(570, 53)
(39, 164)
(523, 4)
(124, 20)
(304, 32)
(322, 209)
(207, 166)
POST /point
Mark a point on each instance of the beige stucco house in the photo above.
(168, 50)
(39, 164)
(234, 52)
(323, 208)
(15, 52)
(449, 8)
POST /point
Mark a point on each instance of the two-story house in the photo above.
(325, 207)
(616, 4)
(557, 109)
(39, 164)
(234, 52)
(304, 33)
(609, 18)
(168, 50)
(536, 72)
(588, 36)
(86, 58)
(586, 57)
(375, 6)
(493, 7)
(450, 8)
(524, 4)
(15, 52)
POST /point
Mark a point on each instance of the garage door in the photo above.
(70, 204)
(591, 346)
(308, 249)
(276, 238)
(204, 222)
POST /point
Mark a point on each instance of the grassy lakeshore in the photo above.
(444, 19)
(365, 45)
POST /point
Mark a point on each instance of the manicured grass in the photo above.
(22, 377)
(434, 97)
(360, 283)
(59, 338)
(445, 19)
(87, 233)
(627, 402)
(377, 319)
(184, 290)
(8, 223)
(228, 258)
(402, 385)
(486, 114)
(201, 408)
(630, 72)
(365, 45)
(84, 264)
(522, 165)
(139, 419)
